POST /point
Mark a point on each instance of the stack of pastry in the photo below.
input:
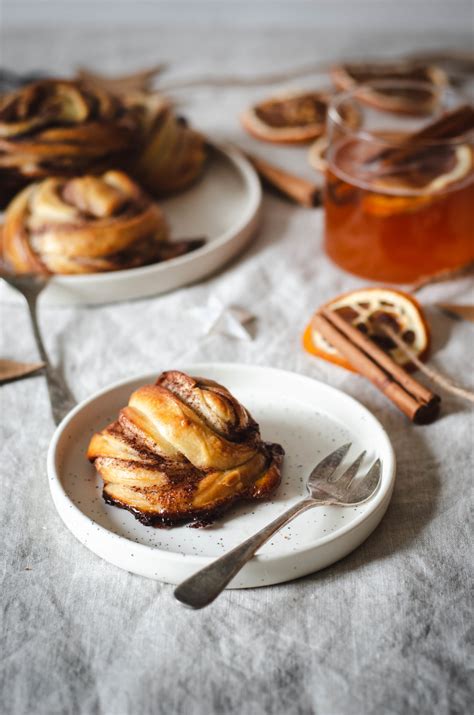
(65, 145)
(183, 450)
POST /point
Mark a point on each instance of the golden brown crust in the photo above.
(183, 450)
(85, 224)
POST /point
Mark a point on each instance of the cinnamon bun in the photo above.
(86, 224)
(58, 127)
(183, 450)
(172, 154)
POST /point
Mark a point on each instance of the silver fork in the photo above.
(31, 286)
(324, 488)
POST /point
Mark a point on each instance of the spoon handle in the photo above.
(60, 396)
(203, 587)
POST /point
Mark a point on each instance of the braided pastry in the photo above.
(61, 128)
(183, 450)
(172, 154)
(83, 225)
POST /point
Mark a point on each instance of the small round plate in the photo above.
(307, 417)
(223, 207)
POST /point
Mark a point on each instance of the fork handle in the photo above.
(203, 587)
(60, 397)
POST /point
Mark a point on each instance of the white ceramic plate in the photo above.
(223, 206)
(307, 417)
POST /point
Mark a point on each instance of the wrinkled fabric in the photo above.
(386, 630)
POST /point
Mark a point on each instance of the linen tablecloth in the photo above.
(386, 630)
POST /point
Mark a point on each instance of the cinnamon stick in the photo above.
(415, 400)
(303, 192)
(452, 124)
(430, 372)
(462, 312)
(445, 275)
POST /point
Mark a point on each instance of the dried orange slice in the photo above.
(409, 101)
(288, 118)
(383, 205)
(368, 309)
(420, 180)
(293, 117)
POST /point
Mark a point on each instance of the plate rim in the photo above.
(59, 493)
(254, 193)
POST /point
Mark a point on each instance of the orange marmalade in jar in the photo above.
(397, 210)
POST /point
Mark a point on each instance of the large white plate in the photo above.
(223, 206)
(307, 417)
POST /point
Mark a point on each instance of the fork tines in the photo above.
(345, 488)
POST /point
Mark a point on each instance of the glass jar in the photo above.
(397, 210)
